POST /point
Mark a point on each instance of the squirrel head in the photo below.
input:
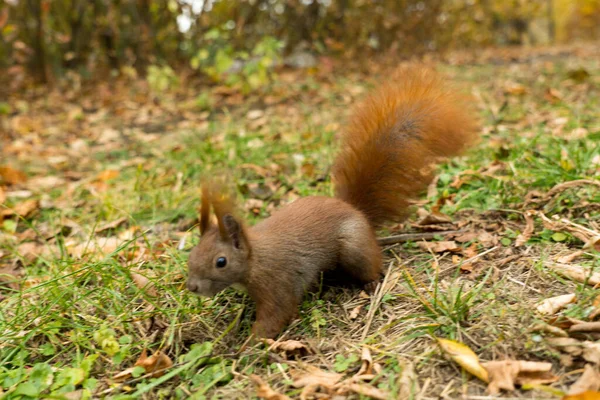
(221, 257)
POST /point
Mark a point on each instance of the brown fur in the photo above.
(392, 140)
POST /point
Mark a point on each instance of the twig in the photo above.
(378, 295)
(405, 237)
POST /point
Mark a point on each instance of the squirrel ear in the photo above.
(233, 230)
(204, 211)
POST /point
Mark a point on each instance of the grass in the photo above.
(70, 323)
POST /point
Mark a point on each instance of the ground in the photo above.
(100, 191)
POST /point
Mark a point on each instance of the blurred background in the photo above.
(239, 42)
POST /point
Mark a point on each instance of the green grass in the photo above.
(73, 323)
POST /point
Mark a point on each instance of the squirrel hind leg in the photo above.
(360, 254)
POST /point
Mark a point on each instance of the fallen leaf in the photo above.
(2, 195)
(504, 374)
(435, 217)
(555, 304)
(596, 304)
(289, 347)
(552, 95)
(366, 367)
(355, 311)
(465, 357)
(23, 209)
(408, 382)
(264, 391)
(487, 239)
(528, 231)
(156, 365)
(576, 272)
(588, 381)
(102, 245)
(586, 327)
(591, 352)
(29, 251)
(470, 251)
(593, 243)
(589, 395)
(254, 114)
(111, 225)
(10, 276)
(43, 183)
(144, 283)
(515, 89)
(107, 175)
(12, 176)
(569, 258)
(566, 344)
(366, 390)
(439, 247)
(314, 377)
(466, 237)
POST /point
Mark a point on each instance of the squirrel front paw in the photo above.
(370, 287)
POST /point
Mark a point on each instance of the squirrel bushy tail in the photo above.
(394, 139)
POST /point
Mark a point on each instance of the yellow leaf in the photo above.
(465, 357)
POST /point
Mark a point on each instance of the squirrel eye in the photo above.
(221, 262)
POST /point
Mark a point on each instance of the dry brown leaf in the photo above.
(111, 225)
(355, 311)
(589, 395)
(589, 380)
(576, 272)
(2, 195)
(487, 239)
(593, 243)
(566, 344)
(435, 217)
(569, 258)
(144, 283)
(23, 209)
(10, 276)
(408, 382)
(528, 231)
(366, 367)
(156, 365)
(289, 347)
(102, 245)
(466, 237)
(504, 374)
(554, 304)
(313, 376)
(107, 175)
(586, 327)
(29, 251)
(439, 247)
(12, 176)
(596, 304)
(515, 89)
(264, 391)
(554, 330)
(567, 185)
(470, 251)
(365, 390)
(591, 352)
(465, 357)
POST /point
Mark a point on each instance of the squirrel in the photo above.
(393, 140)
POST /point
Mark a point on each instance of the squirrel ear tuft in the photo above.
(233, 230)
(204, 211)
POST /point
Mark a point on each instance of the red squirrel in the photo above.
(393, 139)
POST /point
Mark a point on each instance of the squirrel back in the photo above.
(394, 139)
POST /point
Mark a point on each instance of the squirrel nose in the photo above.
(192, 287)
